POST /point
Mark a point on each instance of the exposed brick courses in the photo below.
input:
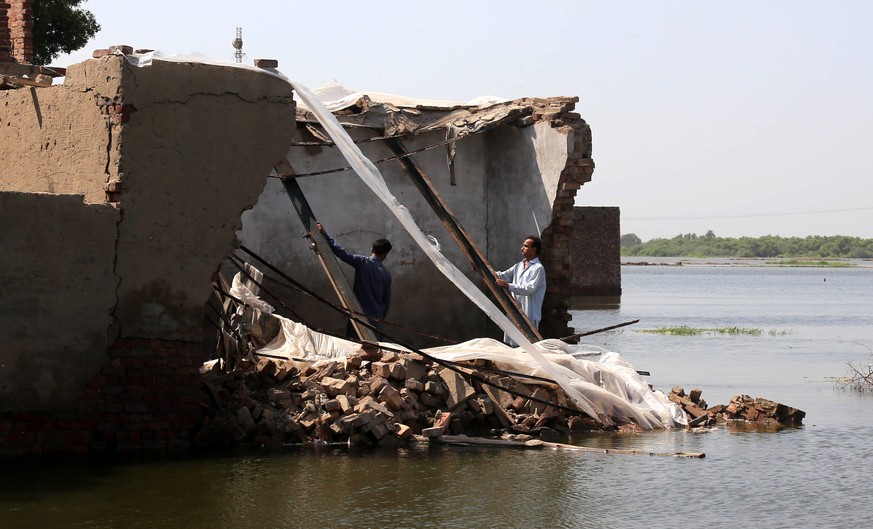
(5, 36)
(146, 398)
(16, 31)
(558, 259)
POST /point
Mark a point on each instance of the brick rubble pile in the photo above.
(741, 408)
(384, 399)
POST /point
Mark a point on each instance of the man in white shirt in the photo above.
(526, 281)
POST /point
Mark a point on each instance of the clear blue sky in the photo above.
(742, 117)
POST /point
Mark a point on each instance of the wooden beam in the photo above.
(328, 261)
(14, 69)
(39, 80)
(509, 305)
(538, 443)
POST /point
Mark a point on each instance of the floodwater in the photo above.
(813, 321)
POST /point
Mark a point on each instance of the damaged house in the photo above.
(125, 188)
(478, 179)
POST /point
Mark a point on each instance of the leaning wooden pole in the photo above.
(328, 261)
(509, 305)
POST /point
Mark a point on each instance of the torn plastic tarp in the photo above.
(371, 176)
(610, 385)
(335, 96)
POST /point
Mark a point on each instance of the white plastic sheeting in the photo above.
(587, 395)
(611, 386)
(240, 291)
(370, 175)
(296, 341)
(335, 96)
(603, 380)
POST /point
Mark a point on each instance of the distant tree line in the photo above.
(708, 245)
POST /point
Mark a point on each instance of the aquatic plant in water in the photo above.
(685, 330)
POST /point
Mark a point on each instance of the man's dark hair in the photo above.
(537, 243)
(381, 246)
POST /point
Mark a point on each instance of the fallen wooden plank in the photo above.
(481, 441)
(538, 443)
(499, 412)
(14, 69)
(328, 261)
(41, 80)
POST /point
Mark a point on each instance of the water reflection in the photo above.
(815, 475)
(595, 303)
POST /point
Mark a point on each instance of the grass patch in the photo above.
(682, 330)
(685, 330)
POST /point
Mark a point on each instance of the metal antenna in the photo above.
(237, 45)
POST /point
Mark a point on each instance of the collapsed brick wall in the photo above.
(558, 257)
(146, 398)
(595, 247)
(16, 31)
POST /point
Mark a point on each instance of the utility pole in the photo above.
(237, 45)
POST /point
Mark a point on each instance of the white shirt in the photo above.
(528, 286)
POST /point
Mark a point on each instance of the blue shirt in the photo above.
(372, 280)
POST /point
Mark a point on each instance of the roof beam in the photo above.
(509, 305)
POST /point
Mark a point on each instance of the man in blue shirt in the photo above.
(372, 284)
(526, 281)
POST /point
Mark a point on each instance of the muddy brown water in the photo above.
(813, 321)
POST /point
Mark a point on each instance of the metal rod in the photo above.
(604, 329)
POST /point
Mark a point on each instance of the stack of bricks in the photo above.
(16, 31)
(741, 409)
(365, 399)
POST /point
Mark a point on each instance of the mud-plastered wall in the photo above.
(56, 297)
(197, 148)
(120, 193)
